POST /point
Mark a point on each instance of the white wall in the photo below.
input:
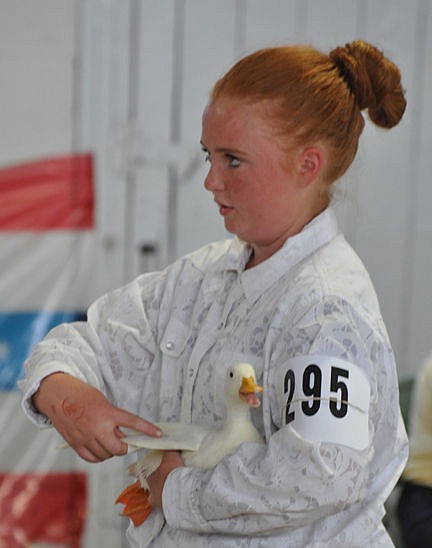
(37, 54)
(148, 67)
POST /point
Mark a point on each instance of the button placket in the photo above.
(208, 336)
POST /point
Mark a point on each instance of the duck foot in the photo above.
(137, 506)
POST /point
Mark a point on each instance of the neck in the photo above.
(238, 411)
(261, 253)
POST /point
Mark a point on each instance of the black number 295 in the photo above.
(311, 386)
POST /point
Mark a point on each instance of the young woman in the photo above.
(286, 294)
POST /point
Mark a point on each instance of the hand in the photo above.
(88, 422)
(156, 481)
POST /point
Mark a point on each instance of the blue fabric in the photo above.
(19, 332)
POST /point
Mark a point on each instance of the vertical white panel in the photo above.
(330, 24)
(416, 308)
(270, 23)
(209, 41)
(149, 151)
(36, 64)
(209, 50)
(103, 87)
(103, 114)
(326, 25)
(384, 159)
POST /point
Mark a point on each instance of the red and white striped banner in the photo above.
(46, 232)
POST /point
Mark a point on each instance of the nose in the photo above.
(213, 180)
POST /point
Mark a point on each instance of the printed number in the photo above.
(289, 385)
(311, 389)
(337, 385)
(311, 386)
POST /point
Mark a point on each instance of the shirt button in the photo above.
(170, 345)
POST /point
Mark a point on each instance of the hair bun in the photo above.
(374, 81)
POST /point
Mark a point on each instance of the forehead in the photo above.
(234, 116)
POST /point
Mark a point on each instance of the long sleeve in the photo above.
(134, 343)
(112, 351)
(260, 491)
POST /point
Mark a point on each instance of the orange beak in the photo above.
(248, 391)
(249, 386)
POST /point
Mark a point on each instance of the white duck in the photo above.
(201, 447)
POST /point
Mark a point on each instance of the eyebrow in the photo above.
(225, 150)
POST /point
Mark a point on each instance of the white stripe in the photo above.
(45, 270)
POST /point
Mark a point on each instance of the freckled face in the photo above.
(260, 200)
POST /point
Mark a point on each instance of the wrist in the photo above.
(49, 392)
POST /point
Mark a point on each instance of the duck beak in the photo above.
(248, 391)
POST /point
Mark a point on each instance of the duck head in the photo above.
(241, 385)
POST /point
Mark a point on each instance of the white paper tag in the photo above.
(325, 399)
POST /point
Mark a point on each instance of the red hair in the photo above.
(318, 98)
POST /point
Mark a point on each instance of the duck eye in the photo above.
(231, 374)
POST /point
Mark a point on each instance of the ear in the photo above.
(311, 163)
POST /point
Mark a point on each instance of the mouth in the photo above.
(249, 390)
(223, 208)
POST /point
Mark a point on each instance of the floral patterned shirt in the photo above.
(308, 320)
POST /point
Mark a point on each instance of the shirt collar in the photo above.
(257, 280)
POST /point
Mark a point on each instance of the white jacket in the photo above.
(309, 321)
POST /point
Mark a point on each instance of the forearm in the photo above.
(282, 488)
(52, 366)
(88, 422)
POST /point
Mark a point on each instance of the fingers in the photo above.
(86, 419)
(97, 451)
(119, 433)
(129, 420)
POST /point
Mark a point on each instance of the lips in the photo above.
(223, 208)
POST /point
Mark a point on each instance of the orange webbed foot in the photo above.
(137, 506)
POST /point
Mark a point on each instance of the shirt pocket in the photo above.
(175, 353)
(173, 342)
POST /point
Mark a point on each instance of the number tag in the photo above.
(325, 399)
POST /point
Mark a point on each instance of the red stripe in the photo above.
(42, 508)
(54, 193)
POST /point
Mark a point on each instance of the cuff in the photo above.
(181, 499)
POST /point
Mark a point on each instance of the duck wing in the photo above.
(176, 436)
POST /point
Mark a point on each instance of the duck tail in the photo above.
(137, 506)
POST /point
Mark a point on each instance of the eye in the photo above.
(207, 157)
(231, 374)
(233, 161)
